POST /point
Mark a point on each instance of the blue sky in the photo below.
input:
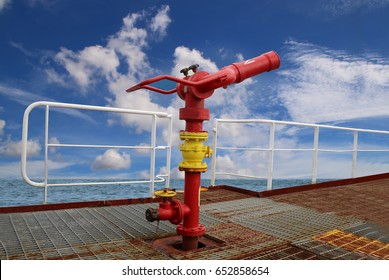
(334, 70)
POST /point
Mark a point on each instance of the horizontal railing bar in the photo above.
(297, 149)
(243, 148)
(381, 151)
(301, 124)
(107, 146)
(98, 108)
(335, 151)
(240, 175)
(160, 179)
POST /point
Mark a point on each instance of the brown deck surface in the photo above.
(349, 221)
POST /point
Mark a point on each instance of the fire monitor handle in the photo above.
(234, 73)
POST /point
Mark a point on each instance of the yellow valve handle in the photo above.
(165, 193)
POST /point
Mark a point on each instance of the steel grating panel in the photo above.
(365, 200)
(115, 250)
(285, 252)
(371, 231)
(355, 243)
(239, 242)
(330, 252)
(283, 220)
(56, 233)
(51, 234)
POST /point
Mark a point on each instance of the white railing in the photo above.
(271, 148)
(152, 147)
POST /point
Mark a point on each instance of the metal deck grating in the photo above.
(59, 234)
(63, 230)
(238, 243)
(330, 252)
(285, 252)
(355, 243)
(371, 231)
(285, 221)
(347, 200)
(282, 227)
(115, 250)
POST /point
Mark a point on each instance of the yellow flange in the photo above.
(165, 193)
(186, 135)
(193, 151)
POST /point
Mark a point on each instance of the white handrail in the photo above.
(153, 178)
(271, 149)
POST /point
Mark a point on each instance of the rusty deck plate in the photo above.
(355, 243)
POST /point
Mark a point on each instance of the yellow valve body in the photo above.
(193, 151)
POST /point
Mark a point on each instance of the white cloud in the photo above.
(112, 159)
(122, 63)
(2, 125)
(185, 57)
(325, 85)
(54, 77)
(161, 21)
(177, 174)
(13, 148)
(341, 7)
(85, 65)
(4, 4)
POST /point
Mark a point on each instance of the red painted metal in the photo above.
(193, 90)
(234, 73)
(172, 210)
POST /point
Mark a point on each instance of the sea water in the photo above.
(15, 192)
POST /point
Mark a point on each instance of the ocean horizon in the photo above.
(15, 192)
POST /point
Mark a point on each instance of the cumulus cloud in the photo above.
(324, 85)
(184, 57)
(125, 47)
(83, 66)
(161, 21)
(121, 63)
(112, 159)
(14, 148)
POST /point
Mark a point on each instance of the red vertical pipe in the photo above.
(194, 114)
(191, 199)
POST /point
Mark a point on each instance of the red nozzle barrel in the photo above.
(264, 63)
(239, 71)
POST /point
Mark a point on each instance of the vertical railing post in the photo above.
(169, 152)
(355, 152)
(271, 157)
(213, 162)
(46, 165)
(315, 154)
(152, 156)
